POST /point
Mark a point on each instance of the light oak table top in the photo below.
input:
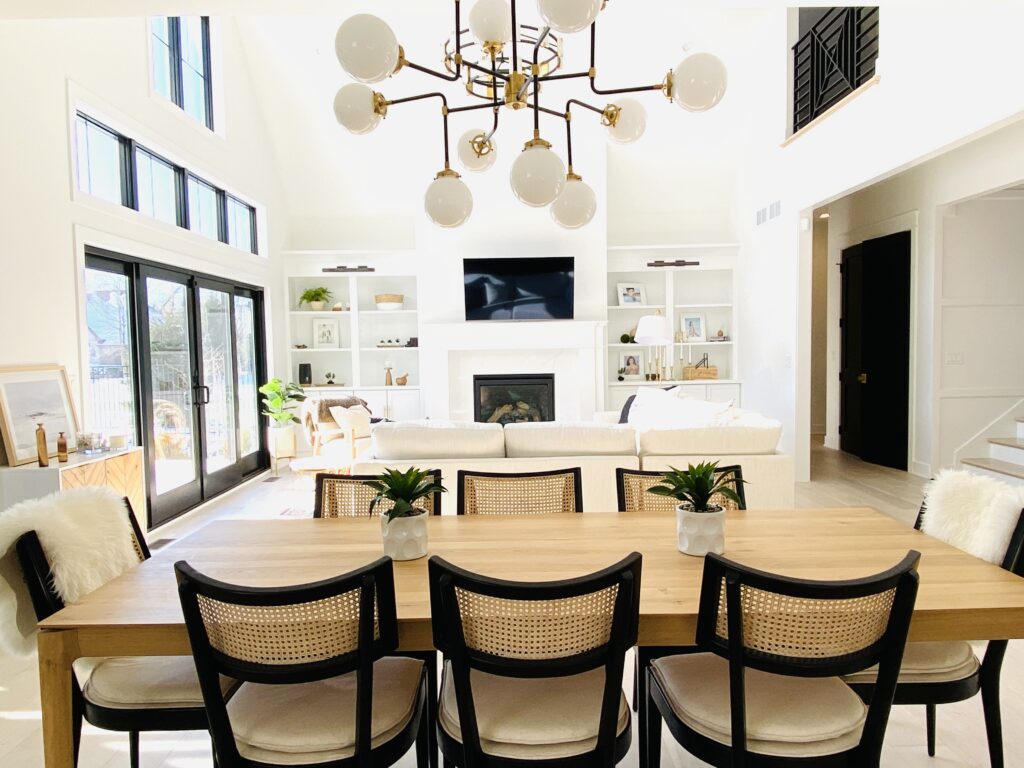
(960, 597)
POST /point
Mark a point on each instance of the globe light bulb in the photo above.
(576, 205)
(538, 174)
(568, 16)
(625, 120)
(490, 21)
(699, 82)
(448, 201)
(474, 152)
(355, 108)
(367, 48)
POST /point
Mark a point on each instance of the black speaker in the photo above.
(305, 374)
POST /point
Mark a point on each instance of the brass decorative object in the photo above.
(41, 450)
(62, 448)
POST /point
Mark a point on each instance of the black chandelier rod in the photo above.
(536, 77)
(593, 72)
(444, 115)
(515, 40)
(458, 53)
(568, 124)
(484, 105)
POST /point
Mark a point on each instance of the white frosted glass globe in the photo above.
(470, 160)
(353, 106)
(448, 201)
(631, 122)
(569, 16)
(575, 206)
(537, 176)
(490, 21)
(366, 48)
(699, 82)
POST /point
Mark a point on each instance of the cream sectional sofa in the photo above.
(597, 448)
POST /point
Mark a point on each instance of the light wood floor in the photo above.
(837, 480)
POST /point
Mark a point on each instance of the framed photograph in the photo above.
(694, 327)
(33, 395)
(326, 333)
(631, 293)
(632, 364)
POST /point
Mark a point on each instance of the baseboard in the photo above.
(920, 469)
(832, 442)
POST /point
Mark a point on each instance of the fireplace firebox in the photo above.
(512, 398)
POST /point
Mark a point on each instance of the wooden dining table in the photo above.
(138, 614)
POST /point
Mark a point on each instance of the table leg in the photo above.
(57, 650)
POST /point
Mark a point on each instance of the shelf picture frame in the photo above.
(632, 365)
(30, 395)
(630, 294)
(694, 326)
(326, 333)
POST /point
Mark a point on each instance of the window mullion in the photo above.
(252, 229)
(174, 33)
(222, 215)
(129, 179)
(208, 74)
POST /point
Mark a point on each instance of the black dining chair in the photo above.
(533, 671)
(945, 672)
(767, 689)
(320, 684)
(127, 694)
(350, 496)
(520, 493)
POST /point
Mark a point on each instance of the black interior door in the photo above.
(875, 389)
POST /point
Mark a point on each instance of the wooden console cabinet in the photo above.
(122, 471)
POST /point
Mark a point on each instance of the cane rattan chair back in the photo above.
(350, 496)
(632, 486)
(288, 635)
(520, 493)
(808, 629)
(535, 629)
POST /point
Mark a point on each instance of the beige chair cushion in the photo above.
(533, 719)
(316, 722)
(355, 418)
(786, 716)
(152, 682)
(929, 663)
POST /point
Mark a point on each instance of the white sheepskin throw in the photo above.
(86, 536)
(972, 512)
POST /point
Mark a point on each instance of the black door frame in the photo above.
(177, 502)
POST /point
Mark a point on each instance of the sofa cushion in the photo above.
(560, 438)
(432, 439)
(655, 408)
(713, 441)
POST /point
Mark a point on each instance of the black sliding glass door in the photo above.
(199, 363)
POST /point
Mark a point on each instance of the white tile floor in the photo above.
(837, 480)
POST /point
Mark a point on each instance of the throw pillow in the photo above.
(355, 418)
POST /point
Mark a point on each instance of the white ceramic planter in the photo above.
(698, 533)
(316, 306)
(281, 442)
(404, 538)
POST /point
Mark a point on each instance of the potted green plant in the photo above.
(279, 402)
(315, 297)
(700, 525)
(403, 527)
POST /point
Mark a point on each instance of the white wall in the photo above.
(101, 66)
(819, 326)
(967, 272)
(929, 99)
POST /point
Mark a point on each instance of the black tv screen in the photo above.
(519, 289)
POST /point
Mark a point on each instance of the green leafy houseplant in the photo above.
(315, 294)
(404, 489)
(696, 485)
(279, 400)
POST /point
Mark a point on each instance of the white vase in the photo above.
(404, 538)
(698, 533)
(316, 306)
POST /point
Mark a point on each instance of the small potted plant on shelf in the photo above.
(403, 527)
(315, 297)
(700, 525)
(279, 401)
(329, 377)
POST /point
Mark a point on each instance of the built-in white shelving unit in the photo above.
(358, 360)
(706, 289)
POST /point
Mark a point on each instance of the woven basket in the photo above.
(691, 373)
(389, 298)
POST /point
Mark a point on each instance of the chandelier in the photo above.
(506, 64)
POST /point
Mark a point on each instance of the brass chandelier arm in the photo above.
(444, 115)
(665, 86)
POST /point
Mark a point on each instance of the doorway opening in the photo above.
(875, 347)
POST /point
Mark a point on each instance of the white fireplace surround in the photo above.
(573, 350)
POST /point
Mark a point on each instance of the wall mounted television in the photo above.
(519, 288)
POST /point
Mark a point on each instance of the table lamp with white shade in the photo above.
(655, 331)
